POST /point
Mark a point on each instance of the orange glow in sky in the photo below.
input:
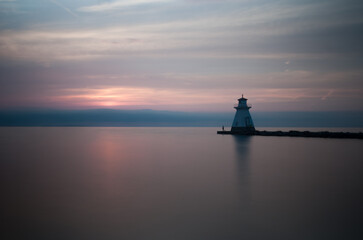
(185, 99)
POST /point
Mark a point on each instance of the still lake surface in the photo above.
(177, 183)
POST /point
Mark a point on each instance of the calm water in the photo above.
(177, 183)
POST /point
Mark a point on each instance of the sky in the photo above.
(181, 55)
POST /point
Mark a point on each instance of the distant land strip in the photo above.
(156, 118)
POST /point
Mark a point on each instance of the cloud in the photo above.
(296, 90)
(109, 6)
(272, 80)
(269, 31)
(303, 99)
(202, 54)
(180, 39)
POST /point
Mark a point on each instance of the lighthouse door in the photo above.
(248, 122)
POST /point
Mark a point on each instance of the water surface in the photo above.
(177, 183)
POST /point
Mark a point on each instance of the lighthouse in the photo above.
(242, 120)
(243, 125)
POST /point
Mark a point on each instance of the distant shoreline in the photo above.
(153, 118)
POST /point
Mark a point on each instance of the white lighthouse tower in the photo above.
(242, 120)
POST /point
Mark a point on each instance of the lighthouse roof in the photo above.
(242, 99)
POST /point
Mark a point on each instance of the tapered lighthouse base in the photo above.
(243, 129)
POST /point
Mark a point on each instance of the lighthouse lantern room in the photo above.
(242, 120)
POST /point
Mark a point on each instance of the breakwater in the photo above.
(323, 134)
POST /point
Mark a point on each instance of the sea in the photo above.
(177, 184)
